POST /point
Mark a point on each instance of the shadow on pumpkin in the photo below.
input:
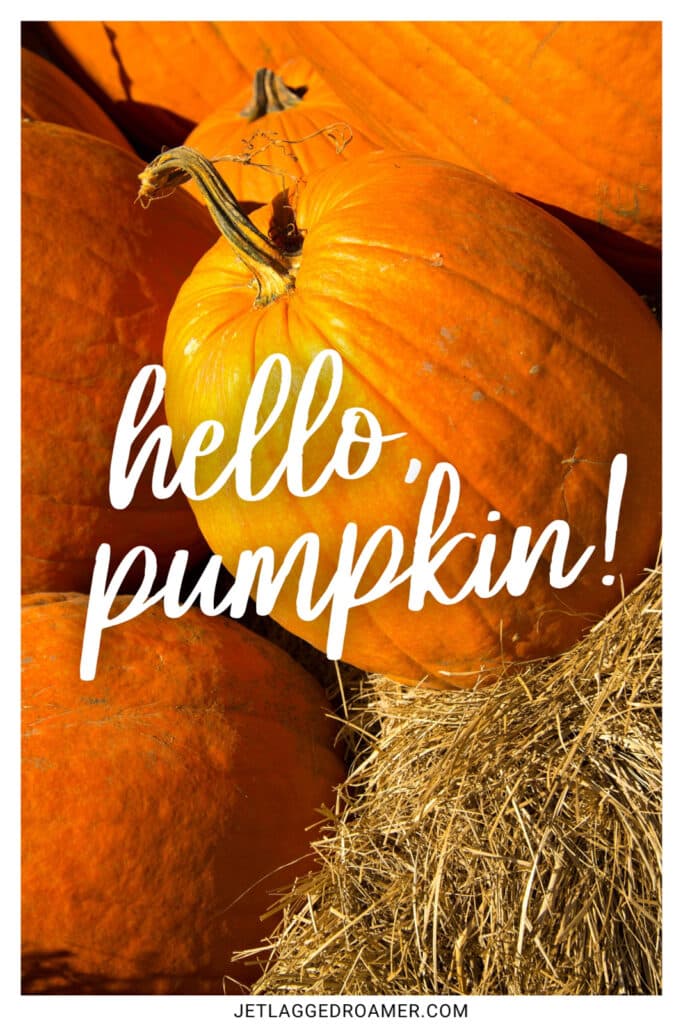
(52, 972)
(147, 127)
(640, 265)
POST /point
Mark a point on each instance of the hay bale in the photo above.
(500, 841)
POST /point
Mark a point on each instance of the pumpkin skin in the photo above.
(161, 801)
(47, 94)
(158, 78)
(568, 113)
(225, 130)
(95, 298)
(485, 329)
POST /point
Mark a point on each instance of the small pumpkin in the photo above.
(568, 113)
(158, 78)
(47, 94)
(164, 802)
(467, 318)
(95, 297)
(291, 123)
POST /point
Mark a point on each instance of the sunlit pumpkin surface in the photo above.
(568, 112)
(491, 335)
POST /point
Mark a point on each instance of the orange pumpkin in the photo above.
(157, 78)
(469, 319)
(95, 297)
(291, 123)
(568, 113)
(163, 803)
(47, 94)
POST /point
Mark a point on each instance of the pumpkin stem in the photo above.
(272, 268)
(270, 95)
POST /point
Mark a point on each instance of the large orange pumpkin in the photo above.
(568, 113)
(96, 293)
(291, 122)
(469, 319)
(47, 94)
(157, 78)
(164, 803)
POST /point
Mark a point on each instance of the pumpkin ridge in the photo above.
(593, 77)
(466, 478)
(389, 635)
(304, 512)
(151, 45)
(613, 194)
(133, 718)
(187, 75)
(536, 129)
(345, 352)
(489, 93)
(112, 342)
(141, 509)
(416, 430)
(375, 620)
(413, 256)
(509, 302)
(366, 609)
(556, 141)
(85, 300)
(498, 296)
(407, 98)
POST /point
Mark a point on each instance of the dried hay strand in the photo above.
(499, 841)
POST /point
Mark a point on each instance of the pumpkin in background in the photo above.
(568, 113)
(47, 94)
(295, 106)
(466, 317)
(164, 802)
(99, 276)
(157, 78)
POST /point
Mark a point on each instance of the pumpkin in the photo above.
(164, 802)
(158, 78)
(95, 298)
(47, 94)
(467, 318)
(290, 122)
(568, 113)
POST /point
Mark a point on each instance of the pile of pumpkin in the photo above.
(469, 213)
